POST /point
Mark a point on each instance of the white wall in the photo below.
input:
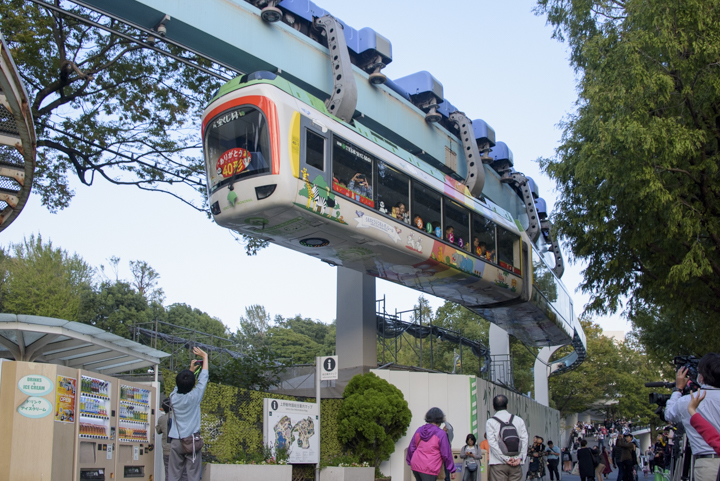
(451, 393)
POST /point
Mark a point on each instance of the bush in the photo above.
(373, 416)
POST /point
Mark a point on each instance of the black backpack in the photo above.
(508, 439)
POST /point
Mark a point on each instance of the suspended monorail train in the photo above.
(280, 167)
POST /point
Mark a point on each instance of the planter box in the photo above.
(237, 472)
(334, 473)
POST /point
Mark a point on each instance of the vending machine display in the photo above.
(134, 414)
(95, 397)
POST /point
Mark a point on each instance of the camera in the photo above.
(689, 362)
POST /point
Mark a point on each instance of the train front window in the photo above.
(237, 145)
(508, 245)
(392, 193)
(483, 238)
(456, 229)
(425, 211)
(352, 172)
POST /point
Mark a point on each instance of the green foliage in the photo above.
(115, 307)
(256, 369)
(192, 318)
(39, 279)
(107, 106)
(523, 367)
(638, 165)
(232, 421)
(373, 416)
(592, 381)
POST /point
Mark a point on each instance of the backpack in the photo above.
(508, 439)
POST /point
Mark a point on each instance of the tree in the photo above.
(186, 316)
(467, 324)
(145, 280)
(637, 166)
(253, 327)
(373, 416)
(39, 279)
(257, 369)
(108, 106)
(115, 307)
(590, 383)
(286, 343)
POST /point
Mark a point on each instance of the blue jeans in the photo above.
(620, 471)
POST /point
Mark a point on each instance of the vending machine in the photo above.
(135, 431)
(96, 427)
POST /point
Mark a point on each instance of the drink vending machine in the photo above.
(96, 429)
(136, 422)
(63, 424)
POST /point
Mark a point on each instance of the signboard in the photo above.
(35, 385)
(294, 426)
(65, 399)
(328, 368)
(35, 407)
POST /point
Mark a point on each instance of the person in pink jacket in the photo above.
(430, 449)
(708, 432)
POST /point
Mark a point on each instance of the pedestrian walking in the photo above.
(470, 454)
(429, 452)
(185, 404)
(606, 462)
(586, 462)
(567, 460)
(553, 459)
(600, 464)
(508, 440)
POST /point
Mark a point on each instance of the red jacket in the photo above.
(707, 431)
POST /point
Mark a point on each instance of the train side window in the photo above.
(352, 172)
(456, 228)
(315, 150)
(508, 245)
(425, 210)
(393, 188)
(483, 238)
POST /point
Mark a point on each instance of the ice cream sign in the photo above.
(35, 407)
(233, 162)
(35, 385)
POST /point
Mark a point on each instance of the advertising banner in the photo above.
(65, 399)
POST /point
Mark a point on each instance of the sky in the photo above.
(496, 61)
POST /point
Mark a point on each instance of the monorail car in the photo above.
(281, 168)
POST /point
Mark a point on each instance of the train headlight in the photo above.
(265, 191)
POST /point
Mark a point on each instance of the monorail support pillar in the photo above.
(356, 338)
(501, 367)
(542, 372)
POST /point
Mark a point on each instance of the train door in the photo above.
(315, 153)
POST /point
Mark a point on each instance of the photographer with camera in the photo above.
(705, 461)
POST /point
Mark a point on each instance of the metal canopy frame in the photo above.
(72, 344)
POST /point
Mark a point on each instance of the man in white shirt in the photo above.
(504, 467)
(705, 461)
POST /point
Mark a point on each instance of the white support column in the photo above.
(542, 372)
(356, 339)
(499, 341)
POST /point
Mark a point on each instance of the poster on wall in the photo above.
(294, 426)
(65, 400)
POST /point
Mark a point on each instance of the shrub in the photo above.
(373, 416)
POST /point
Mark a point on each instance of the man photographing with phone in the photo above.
(705, 461)
(185, 401)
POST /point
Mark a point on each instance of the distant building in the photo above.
(617, 336)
